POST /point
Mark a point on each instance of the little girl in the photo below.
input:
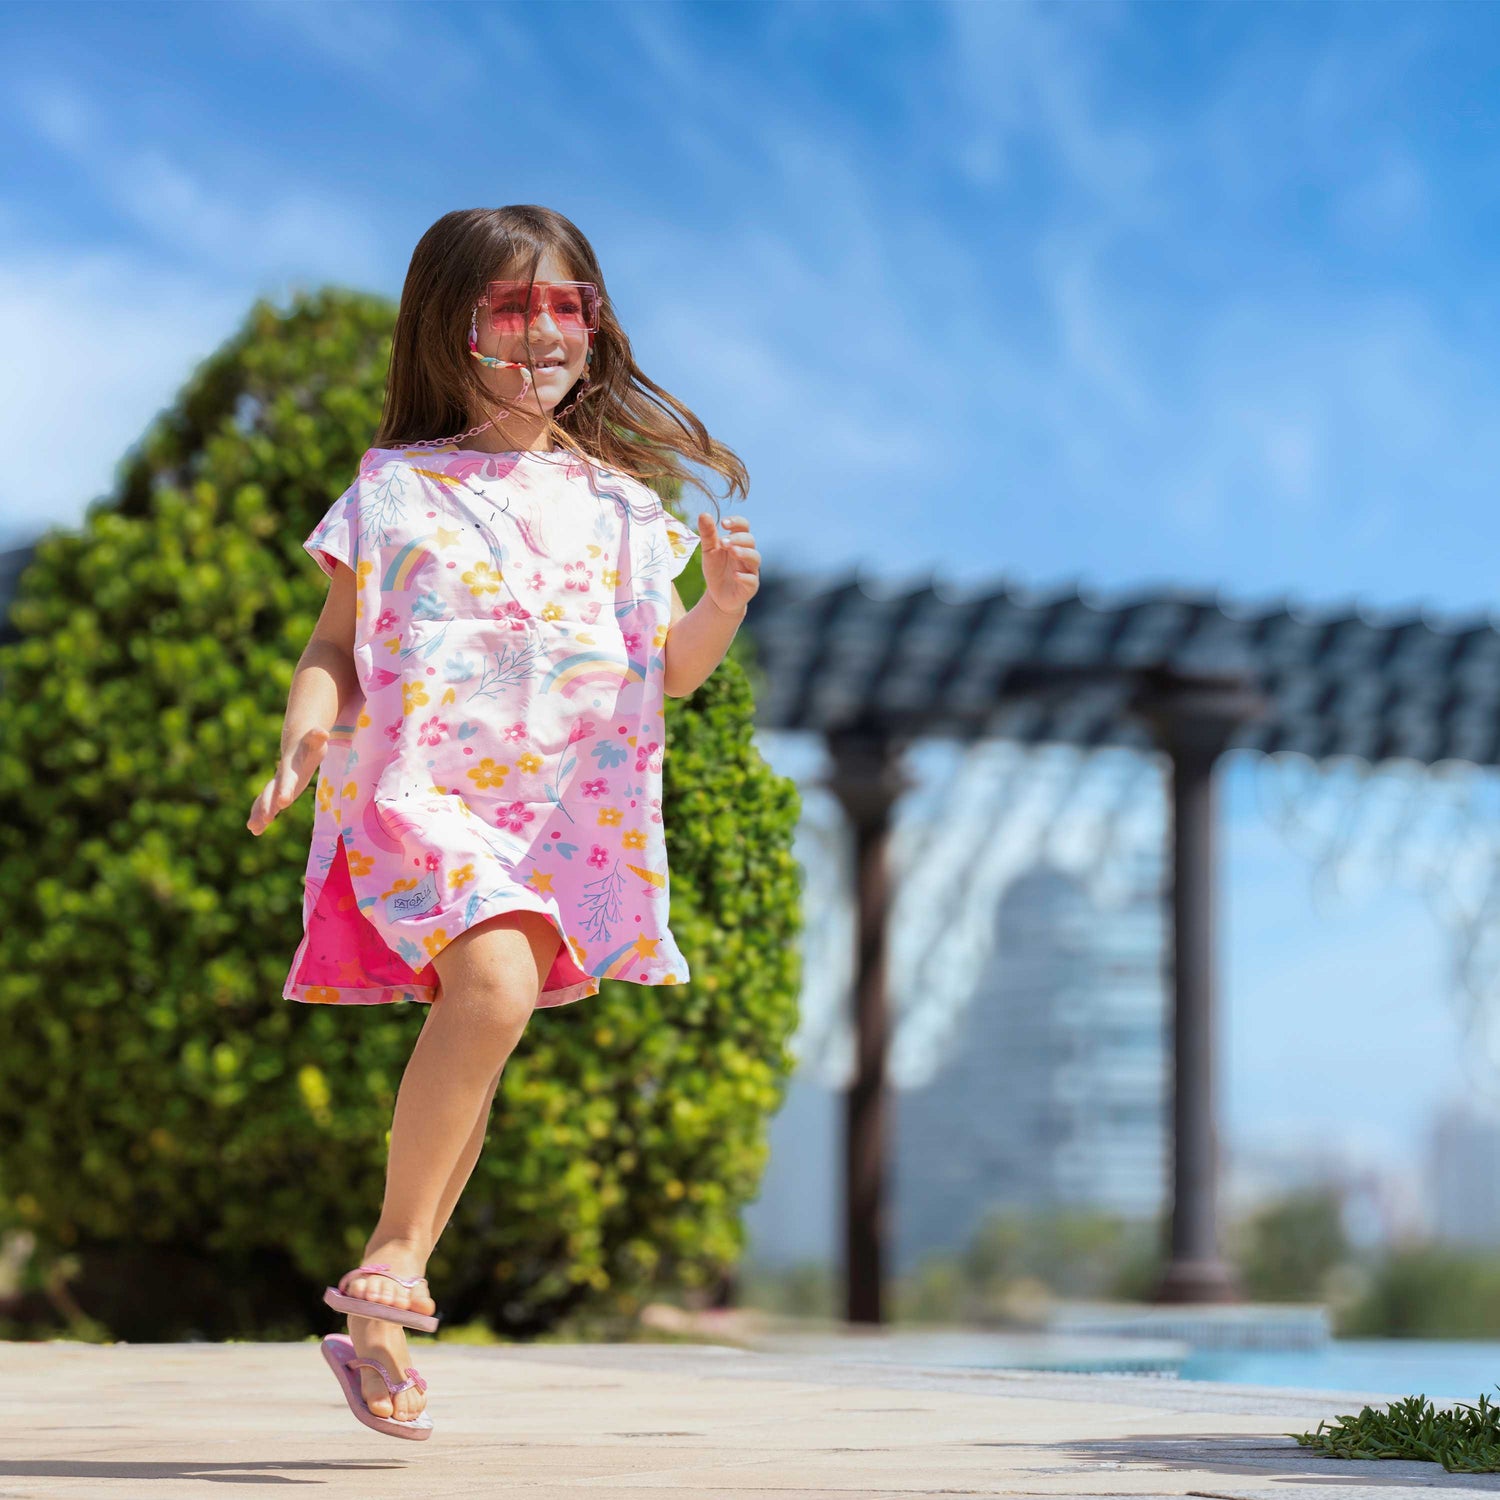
(482, 697)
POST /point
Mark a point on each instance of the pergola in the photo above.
(1165, 670)
(1170, 671)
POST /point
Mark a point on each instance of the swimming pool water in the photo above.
(1443, 1370)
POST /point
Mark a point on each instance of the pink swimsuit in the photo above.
(507, 752)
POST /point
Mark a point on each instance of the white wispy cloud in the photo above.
(96, 345)
(418, 58)
(1063, 354)
(243, 216)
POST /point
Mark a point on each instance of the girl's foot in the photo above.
(403, 1259)
(374, 1338)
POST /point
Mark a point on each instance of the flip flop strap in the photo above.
(380, 1268)
(379, 1367)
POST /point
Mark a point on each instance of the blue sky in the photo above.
(1124, 295)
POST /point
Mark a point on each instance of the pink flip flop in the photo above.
(336, 1297)
(338, 1350)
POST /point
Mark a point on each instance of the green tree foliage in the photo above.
(1432, 1291)
(1285, 1250)
(210, 1154)
(1017, 1255)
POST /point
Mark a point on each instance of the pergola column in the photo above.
(867, 778)
(1193, 721)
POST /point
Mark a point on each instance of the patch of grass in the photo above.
(1466, 1441)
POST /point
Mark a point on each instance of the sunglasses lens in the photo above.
(572, 305)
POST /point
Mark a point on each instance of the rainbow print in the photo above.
(619, 963)
(584, 668)
(405, 565)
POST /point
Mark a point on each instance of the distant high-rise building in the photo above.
(1465, 1177)
(1054, 1092)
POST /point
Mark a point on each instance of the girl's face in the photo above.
(568, 345)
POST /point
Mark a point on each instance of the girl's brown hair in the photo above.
(622, 420)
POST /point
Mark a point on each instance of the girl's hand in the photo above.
(292, 774)
(731, 565)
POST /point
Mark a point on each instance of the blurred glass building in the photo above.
(1053, 1093)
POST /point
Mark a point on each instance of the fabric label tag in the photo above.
(420, 901)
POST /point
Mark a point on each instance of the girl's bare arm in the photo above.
(697, 640)
(324, 684)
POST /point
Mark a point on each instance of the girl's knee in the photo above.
(482, 1022)
(499, 966)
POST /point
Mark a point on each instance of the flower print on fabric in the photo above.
(511, 613)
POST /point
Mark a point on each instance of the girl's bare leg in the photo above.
(490, 977)
(465, 1168)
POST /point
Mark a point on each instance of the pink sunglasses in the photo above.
(574, 305)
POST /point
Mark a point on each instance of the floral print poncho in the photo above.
(512, 610)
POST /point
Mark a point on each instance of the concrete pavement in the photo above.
(179, 1421)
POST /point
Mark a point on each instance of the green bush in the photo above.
(208, 1154)
(1285, 1250)
(1431, 1291)
(1016, 1254)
